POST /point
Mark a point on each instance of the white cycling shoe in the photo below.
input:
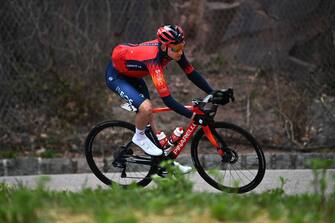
(183, 168)
(147, 146)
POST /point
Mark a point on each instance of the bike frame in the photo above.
(192, 127)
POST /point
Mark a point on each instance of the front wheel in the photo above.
(245, 168)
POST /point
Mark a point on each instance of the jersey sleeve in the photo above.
(185, 65)
(194, 75)
(157, 75)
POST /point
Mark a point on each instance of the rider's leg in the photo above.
(126, 90)
(146, 106)
(142, 118)
(144, 114)
(153, 124)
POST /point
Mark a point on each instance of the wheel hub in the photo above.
(230, 156)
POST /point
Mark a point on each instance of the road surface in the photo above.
(297, 181)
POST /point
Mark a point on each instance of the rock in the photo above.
(322, 118)
(260, 34)
(218, 16)
(57, 166)
(2, 168)
(22, 166)
(289, 10)
(82, 166)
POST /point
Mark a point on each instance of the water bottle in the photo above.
(173, 140)
(175, 136)
(162, 138)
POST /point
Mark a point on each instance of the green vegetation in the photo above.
(49, 153)
(172, 200)
(8, 154)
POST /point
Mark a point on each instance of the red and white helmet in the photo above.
(170, 34)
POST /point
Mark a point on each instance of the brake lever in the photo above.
(207, 98)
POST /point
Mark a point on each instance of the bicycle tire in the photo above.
(89, 152)
(201, 166)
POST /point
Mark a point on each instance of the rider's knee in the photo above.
(146, 107)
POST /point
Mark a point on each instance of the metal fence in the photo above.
(53, 55)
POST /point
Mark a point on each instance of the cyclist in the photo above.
(131, 62)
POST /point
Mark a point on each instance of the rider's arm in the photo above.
(157, 76)
(177, 107)
(194, 75)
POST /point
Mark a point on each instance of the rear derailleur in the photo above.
(119, 159)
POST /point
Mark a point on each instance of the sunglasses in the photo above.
(178, 48)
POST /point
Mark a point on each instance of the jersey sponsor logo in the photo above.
(160, 82)
(124, 96)
(134, 66)
(148, 44)
(142, 95)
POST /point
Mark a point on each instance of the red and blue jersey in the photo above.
(139, 60)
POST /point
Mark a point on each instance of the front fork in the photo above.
(217, 141)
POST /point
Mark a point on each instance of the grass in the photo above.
(172, 200)
(8, 154)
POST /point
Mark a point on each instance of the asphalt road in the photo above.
(297, 181)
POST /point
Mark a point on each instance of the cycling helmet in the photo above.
(170, 34)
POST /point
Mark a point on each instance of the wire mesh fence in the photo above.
(280, 55)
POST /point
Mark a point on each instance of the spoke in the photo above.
(219, 164)
(246, 170)
(224, 176)
(242, 174)
(236, 171)
(234, 180)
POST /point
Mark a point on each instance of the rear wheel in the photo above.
(244, 168)
(113, 158)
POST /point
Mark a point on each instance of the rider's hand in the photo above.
(202, 119)
(223, 97)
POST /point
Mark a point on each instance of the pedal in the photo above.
(162, 172)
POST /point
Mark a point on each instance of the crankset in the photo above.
(118, 157)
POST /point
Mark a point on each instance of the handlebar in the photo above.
(210, 103)
(218, 97)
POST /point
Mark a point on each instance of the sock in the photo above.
(139, 134)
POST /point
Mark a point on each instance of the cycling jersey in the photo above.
(138, 60)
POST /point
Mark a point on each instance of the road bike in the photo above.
(225, 155)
